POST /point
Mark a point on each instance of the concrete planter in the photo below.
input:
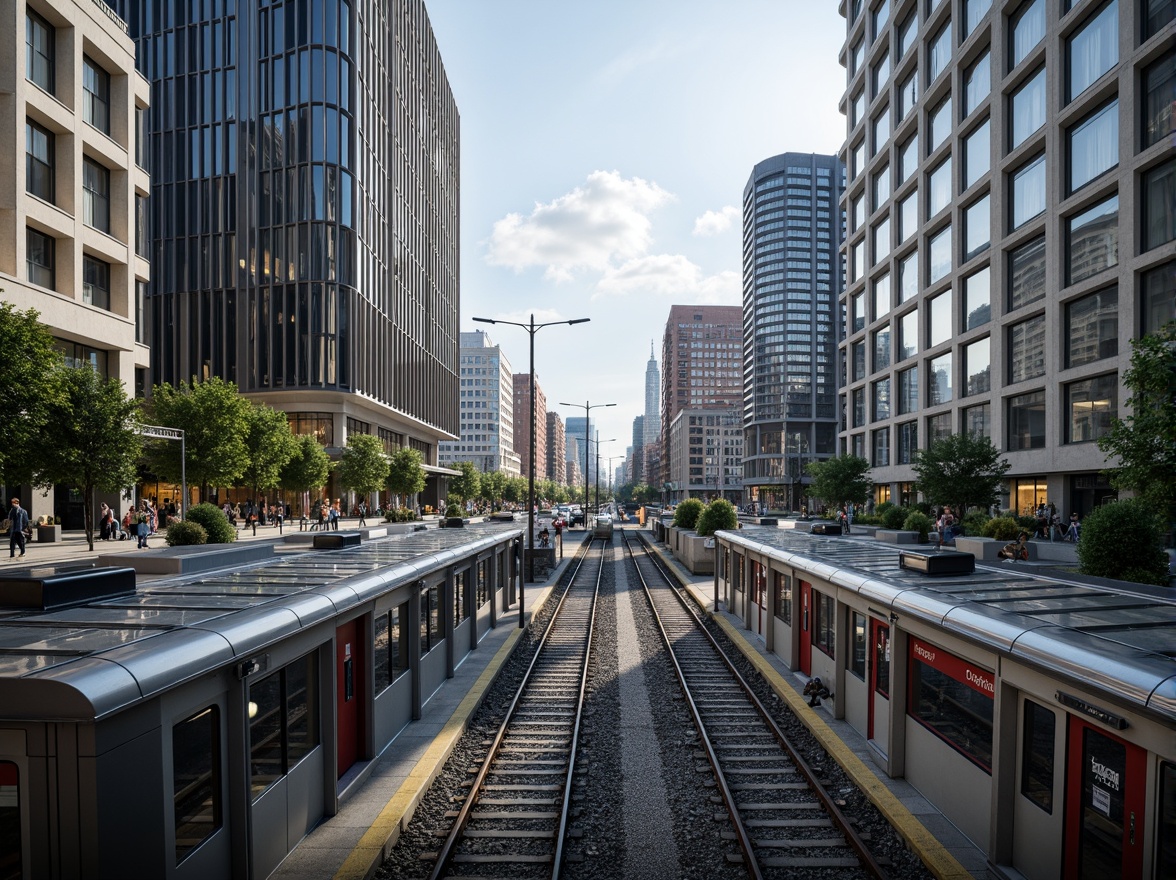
(896, 536)
(695, 553)
(48, 534)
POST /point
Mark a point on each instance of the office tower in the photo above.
(792, 279)
(585, 460)
(1012, 207)
(652, 400)
(72, 195)
(487, 409)
(637, 452)
(304, 210)
(706, 458)
(522, 425)
(556, 449)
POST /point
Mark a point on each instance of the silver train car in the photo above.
(201, 726)
(1038, 715)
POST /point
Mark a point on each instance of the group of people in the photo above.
(139, 522)
(249, 513)
(1050, 525)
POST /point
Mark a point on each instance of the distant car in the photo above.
(577, 518)
(603, 527)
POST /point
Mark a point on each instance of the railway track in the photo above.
(783, 820)
(513, 822)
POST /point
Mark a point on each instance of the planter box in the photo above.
(895, 536)
(695, 553)
(48, 534)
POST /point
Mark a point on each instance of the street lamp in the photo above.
(588, 407)
(597, 502)
(531, 329)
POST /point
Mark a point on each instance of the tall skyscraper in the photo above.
(487, 409)
(792, 281)
(1010, 231)
(522, 425)
(652, 423)
(304, 210)
(637, 457)
(585, 459)
(556, 449)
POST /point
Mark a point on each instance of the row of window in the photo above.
(40, 69)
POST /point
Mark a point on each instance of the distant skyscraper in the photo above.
(575, 445)
(652, 424)
(556, 449)
(487, 409)
(522, 424)
(637, 456)
(791, 283)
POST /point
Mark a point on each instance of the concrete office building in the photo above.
(793, 229)
(706, 455)
(304, 211)
(1011, 208)
(72, 194)
(487, 409)
(522, 425)
(556, 449)
(583, 454)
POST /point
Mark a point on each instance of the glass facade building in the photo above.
(304, 207)
(792, 281)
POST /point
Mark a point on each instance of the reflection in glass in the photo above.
(1092, 240)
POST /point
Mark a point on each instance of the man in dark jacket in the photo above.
(18, 521)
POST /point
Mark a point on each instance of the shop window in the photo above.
(824, 622)
(953, 699)
(389, 647)
(782, 585)
(857, 660)
(283, 721)
(1037, 755)
(196, 780)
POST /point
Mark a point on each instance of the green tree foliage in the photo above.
(686, 514)
(643, 493)
(493, 487)
(215, 420)
(515, 490)
(214, 522)
(270, 445)
(183, 532)
(838, 480)
(94, 443)
(468, 485)
(1144, 442)
(894, 517)
(363, 466)
(963, 470)
(719, 514)
(28, 386)
(1002, 528)
(1124, 540)
(405, 475)
(917, 521)
(308, 469)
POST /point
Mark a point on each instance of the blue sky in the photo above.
(604, 151)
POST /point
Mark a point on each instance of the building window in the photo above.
(881, 295)
(881, 448)
(908, 335)
(320, 425)
(939, 188)
(908, 442)
(908, 276)
(141, 227)
(974, 12)
(96, 97)
(977, 154)
(939, 388)
(859, 445)
(1093, 50)
(1092, 240)
(908, 390)
(39, 40)
(1026, 421)
(1159, 205)
(858, 108)
(881, 132)
(1158, 14)
(908, 94)
(1027, 349)
(939, 319)
(881, 186)
(1159, 98)
(856, 56)
(978, 420)
(908, 216)
(881, 348)
(953, 699)
(283, 721)
(977, 364)
(39, 161)
(1158, 289)
(859, 312)
(783, 590)
(881, 240)
(859, 211)
(857, 660)
(859, 407)
(1028, 109)
(1027, 273)
(1091, 407)
(1092, 328)
(939, 255)
(824, 622)
(908, 31)
(1166, 847)
(977, 224)
(859, 360)
(939, 123)
(1028, 191)
(196, 780)
(939, 55)
(1037, 755)
(881, 400)
(140, 311)
(859, 158)
(880, 74)
(96, 283)
(39, 258)
(95, 195)
(977, 83)
(1028, 29)
(1094, 146)
(858, 255)
(389, 647)
(938, 427)
(977, 299)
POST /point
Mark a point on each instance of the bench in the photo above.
(944, 562)
(896, 536)
(336, 540)
(50, 587)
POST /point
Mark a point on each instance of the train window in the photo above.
(857, 660)
(301, 690)
(430, 619)
(783, 588)
(483, 591)
(825, 607)
(10, 835)
(389, 651)
(1166, 833)
(460, 611)
(952, 699)
(283, 721)
(757, 583)
(1037, 755)
(195, 780)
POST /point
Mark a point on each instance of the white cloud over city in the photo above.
(716, 222)
(671, 275)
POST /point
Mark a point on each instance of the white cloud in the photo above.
(671, 275)
(605, 220)
(716, 222)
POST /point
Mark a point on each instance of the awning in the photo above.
(434, 469)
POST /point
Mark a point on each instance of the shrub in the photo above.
(453, 511)
(917, 521)
(1003, 528)
(402, 514)
(719, 514)
(883, 507)
(975, 522)
(923, 507)
(183, 532)
(687, 513)
(215, 523)
(894, 517)
(1124, 540)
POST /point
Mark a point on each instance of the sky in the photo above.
(604, 151)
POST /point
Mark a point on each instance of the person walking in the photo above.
(363, 510)
(105, 520)
(142, 526)
(333, 516)
(18, 521)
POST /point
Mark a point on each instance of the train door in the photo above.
(878, 712)
(758, 593)
(805, 657)
(1105, 780)
(349, 700)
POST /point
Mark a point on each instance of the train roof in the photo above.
(89, 661)
(1120, 642)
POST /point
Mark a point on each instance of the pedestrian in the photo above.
(105, 520)
(142, 525)
(334, 514)
(1073, 529)
(363, 510)
(849, 514)
(18, 521)
(843, 516)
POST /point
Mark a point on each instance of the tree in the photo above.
(28, 387)
(406, 476)
(467, 486)
(963, 470)
(363, 466)
(308, 469)
(1144, 442)
(515, 490)
(94, 443)
(270, 445)
(215, 420)
(837, 480)
(493, 487)
(643, 493)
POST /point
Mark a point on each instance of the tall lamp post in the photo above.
(597, 501)
(531, 329)
(588, 407)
